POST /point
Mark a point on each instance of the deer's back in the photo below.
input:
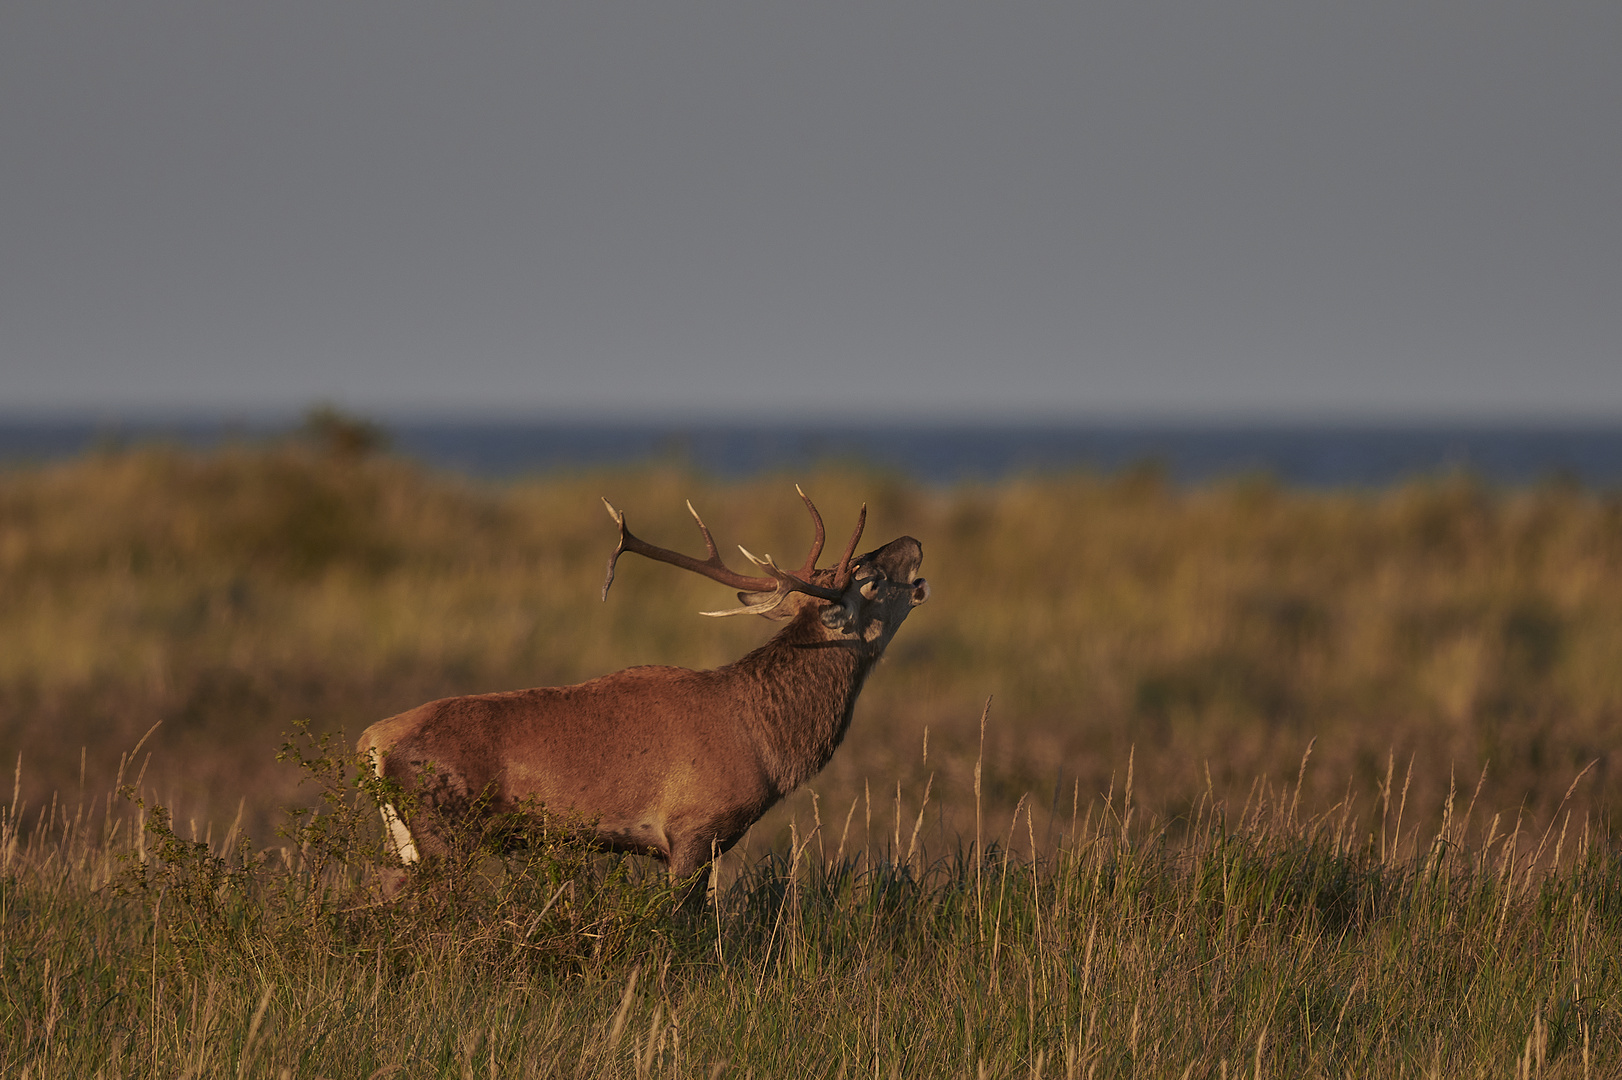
(613, 746)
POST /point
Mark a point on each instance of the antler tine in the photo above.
(816, 543)
(711, 567)
(787, 582)
(709, 541)
(771, 604)
(614, 558)
(842, 575)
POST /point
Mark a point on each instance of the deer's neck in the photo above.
(803, 685)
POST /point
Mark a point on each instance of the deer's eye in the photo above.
(870, 588)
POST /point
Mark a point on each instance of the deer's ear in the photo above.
(778, 614)
(840, 617)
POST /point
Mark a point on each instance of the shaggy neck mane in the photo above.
(804, 682)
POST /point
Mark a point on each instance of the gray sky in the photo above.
(852, 211)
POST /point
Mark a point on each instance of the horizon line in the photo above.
(279, 417)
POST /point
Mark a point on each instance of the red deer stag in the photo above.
(663, 761)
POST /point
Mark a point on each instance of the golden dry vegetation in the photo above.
(1153, 879)
(1210, 635)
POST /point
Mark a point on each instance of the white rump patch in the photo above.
(400, 840)
(399, 835)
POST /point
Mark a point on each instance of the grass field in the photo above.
(1272, 782)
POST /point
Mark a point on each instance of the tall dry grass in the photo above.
(1263, 941)
(1212, 634)
(1275, 783)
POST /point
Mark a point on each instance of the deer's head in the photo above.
(864, 597)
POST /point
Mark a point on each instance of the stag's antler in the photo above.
(711, 567)
(842, 575)
(781, 583)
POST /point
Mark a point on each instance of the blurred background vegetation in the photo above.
(1209, 634)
